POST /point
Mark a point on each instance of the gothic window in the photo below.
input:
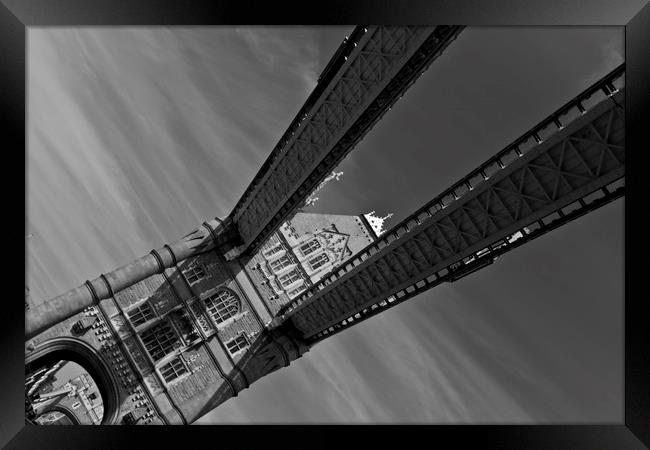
(160, 340)
(236, 344)
(222, 305)
(280, 263)
(173, 369)
(296, 291)
(194, 273)
(319, 261)
(288, 278)
(141, 314)
(309, 247)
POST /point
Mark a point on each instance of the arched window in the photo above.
(222, 305)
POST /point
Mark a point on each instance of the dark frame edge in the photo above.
(636, 427)
(637, 354)
(12, 107)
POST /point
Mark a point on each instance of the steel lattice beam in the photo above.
(476, 261)
(369, 72)
(451, 238)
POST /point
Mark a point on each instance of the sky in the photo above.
(137, 135)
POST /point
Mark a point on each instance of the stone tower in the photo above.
(175, 333)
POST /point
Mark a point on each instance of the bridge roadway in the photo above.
(517, 195)
(370, 71)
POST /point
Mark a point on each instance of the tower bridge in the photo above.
(175, 333)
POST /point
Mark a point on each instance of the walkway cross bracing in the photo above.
(368, 74)
(461, 226)
(480, 259)
(605, 87)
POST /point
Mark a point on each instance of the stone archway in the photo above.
(76, 350)
(63, 410)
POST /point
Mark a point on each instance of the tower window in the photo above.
(280, 263)
(160, 340)
(141, 314)
(273, 250)
(309, 247)
(289, 278)
(319, 261)
(222, 305)
(237, 344)
(297, 290)
(173, 369)
(194, 274)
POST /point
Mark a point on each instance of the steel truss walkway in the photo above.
(517, 195)
(370, 71)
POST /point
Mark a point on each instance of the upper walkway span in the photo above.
(559, 170)
(370, 71)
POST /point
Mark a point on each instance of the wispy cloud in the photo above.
(138, 135)
(293, 48)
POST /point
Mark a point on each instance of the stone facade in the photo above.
(181, 341)
(302, 251)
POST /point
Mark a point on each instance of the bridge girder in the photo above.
(462, 230)
(369, 72)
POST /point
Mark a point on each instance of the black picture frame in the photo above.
(17, 15)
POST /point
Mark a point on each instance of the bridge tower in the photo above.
(173, 334)
(172, 346)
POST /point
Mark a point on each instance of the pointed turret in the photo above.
(377, 223)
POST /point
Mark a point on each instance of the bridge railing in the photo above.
(606, 87)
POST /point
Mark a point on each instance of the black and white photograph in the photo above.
(419, 223)
(296, 181)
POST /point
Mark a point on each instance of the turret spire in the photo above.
(377, 223)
